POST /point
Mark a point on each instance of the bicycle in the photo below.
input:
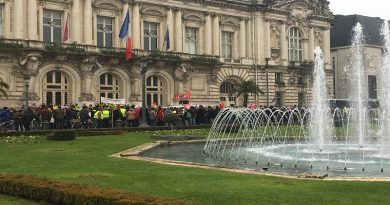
(6, 126)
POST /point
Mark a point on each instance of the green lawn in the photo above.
(86, 161)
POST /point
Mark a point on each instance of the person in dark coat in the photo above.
(59, 116)
(84, 116)
(27, 117)
(201, 116)
(45, 114)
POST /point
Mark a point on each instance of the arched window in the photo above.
(109, 86)
(225, 91)
(295, 44)
(56, 88)
(154, 91)
(226, 87)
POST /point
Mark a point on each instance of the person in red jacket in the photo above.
(160, 116)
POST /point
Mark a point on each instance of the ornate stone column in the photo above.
(200, 41)
(32, 19)
(216, 35)
(283, 43)
(136, 36)
(208, 36)
(267, 40)
(242, 39)
(178, 31)
(18, 19)
(75, 25)
(88, 22)
(236, 45)
(311, 44)
(326, 45)
(249, 38)
(169, 24)
(259, 41)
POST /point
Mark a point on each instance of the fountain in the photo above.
(384, 94)
(338, 142)
(300, 140)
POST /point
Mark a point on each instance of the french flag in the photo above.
(66, 30)
(124, 34)
(167, 42)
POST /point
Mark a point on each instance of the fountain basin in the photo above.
(269, 160)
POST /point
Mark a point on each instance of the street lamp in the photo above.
(143, 63)
(26, 86)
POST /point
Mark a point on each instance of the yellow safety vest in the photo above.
(123, 111)
(106, 114)
(96, 115)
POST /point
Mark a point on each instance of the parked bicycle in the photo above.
(6, 126)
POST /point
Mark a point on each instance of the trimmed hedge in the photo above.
(177, 127)
(91, 132)
(64, 135)
(88, 133)
(56, 192)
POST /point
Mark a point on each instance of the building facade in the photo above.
(341, 41)
(68, 51)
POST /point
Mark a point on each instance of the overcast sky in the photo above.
(372, 8)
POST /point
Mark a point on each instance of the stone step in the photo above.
(137, 151)
(313, 175)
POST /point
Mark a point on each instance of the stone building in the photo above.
(341, 38)
(213, 45)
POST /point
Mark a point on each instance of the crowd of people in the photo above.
(101, 116)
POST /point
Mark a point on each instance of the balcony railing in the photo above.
(106, 51)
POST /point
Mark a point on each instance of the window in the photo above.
(372, 87)
(52, 26)
(104, 31)
(227, 44)
(226, 87)
(150, 36)
(301, 80)
(154, 91)
(1, 20)
(56, 88)
(225, 90)
(295, 45)
(109, 86)
(301, 99)
(279, 79)
(190, 40)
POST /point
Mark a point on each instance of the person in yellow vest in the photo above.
(106, 117)
(124, 114)
(99, 117)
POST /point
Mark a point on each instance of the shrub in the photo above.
(55, 192)
(65, 135)
(171, 118)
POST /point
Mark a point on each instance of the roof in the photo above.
(341, 31)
